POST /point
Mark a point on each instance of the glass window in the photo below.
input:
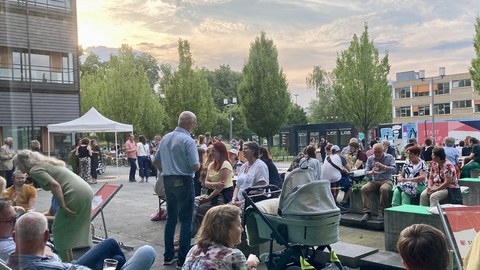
(285, 138)
(421, 110)
(403, 111)
(462, 104)
(442, 108)
(461, 83)
(332, 136)
(421, 90)
(402, 92)
(477, 107)
(276, 140)
(442, 88)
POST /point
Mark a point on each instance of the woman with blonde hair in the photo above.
(71, 227)
(220, 231)
(3, 186)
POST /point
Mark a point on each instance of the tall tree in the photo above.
(188, 90)
(296, 115)
(263, 93)
(224, 83)
(475, 68)
(322, 109)
(122, 92)
(150, 65)
(361, 93)
(91, 64)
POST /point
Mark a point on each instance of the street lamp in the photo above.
(227, 103)
(421, 76)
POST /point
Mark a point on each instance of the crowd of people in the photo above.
(203, 180)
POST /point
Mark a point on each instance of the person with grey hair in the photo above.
(31, 235)
(35, 146)
(380, 168)
(178, 160)
(387, 147)
(451, 151)
(6, 161)
(346, 149)
(7, 223)
(71, 227)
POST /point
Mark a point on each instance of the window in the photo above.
(462, 104)
(52, 67)
(421, 110)
(442, 88)
(477, 106)
(442, 108)
(421, 90)
(54, 4)
(402, 111)
(402, 92)
(461, 83)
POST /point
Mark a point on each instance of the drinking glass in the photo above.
(204, 192)
(109, 264)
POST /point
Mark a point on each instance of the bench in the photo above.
(383, 260)
(351, 254)
(473, 197)
(399, 217)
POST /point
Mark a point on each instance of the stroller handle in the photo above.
(272, 189)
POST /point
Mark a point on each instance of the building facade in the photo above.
(454, 98)
(39, 70)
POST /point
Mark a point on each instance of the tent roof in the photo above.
(90, 122)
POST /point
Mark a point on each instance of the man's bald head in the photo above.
(187, 120)
(31, 228)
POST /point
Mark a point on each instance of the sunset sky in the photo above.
(417, 34)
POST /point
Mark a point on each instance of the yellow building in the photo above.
(454, 97)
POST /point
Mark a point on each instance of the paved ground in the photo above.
(128, 216)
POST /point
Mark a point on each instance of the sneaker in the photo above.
(366, 217)
(380, 217)
(169, 261)
(179, 265)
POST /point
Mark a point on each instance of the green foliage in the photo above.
(263, 94)
(150, 65)
(322, 109)
(122, 93)
(296, 115)
(224, 82)
(188, 90)
(361, 93)
(475, 68)
(360, 184)
(91, 65)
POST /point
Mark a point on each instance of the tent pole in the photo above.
(116, 151)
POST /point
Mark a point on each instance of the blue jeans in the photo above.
(133, 169)
(144, 166)
(108, 248)
(180, 198)
(143, 258)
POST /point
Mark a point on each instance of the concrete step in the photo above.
(351, 254)
(355, 220)
(383, 260)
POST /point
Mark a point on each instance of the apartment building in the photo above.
(454, 97)
(39, 74)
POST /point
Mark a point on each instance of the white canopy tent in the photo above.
(92, 121)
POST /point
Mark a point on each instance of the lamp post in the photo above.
(421, 76)
(227, 103)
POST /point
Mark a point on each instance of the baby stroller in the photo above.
(306, 224)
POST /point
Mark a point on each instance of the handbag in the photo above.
(455, 196)
(343, 172)
(409, 187)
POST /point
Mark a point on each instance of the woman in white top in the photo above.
(310, 161)
(334, 165)
(252, 173)
(143, 152)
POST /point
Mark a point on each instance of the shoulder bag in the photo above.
(343, 172)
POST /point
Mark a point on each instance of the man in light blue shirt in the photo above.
(179, 160)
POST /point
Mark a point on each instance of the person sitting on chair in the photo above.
(21, 195)
(31, 235)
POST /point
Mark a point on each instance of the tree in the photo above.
(91, 65)
(263, 93)
(475, 68)
(361, 93)
(224, 83)
(150, 65)
(296, 115)
(322, 109)
(122, 92)
(188, 90)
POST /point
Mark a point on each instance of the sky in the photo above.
(416, 34)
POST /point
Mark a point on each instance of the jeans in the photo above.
(180, 197)
(133, 169)
(108, 248)
(144, 166)
(143, 258)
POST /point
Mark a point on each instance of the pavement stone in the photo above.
(127, 216)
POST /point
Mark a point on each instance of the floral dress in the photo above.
(215, 257)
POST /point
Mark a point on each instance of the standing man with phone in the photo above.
(179, 161)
